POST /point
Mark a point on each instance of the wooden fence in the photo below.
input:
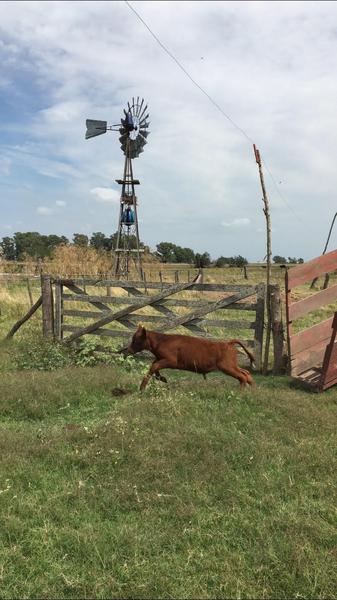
(312, 351)
(113, 309)
(184, 307)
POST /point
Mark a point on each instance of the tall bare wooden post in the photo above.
(269, 252)
(47, 307)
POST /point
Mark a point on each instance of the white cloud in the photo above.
(243, 222)
(270, 66)
(5, 166)
(105, 195)
(60, 203)
(44, 210)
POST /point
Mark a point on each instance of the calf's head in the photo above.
(138, 342)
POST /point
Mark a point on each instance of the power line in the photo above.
(178, 63)
(188, 74)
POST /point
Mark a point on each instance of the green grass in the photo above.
(192, 490)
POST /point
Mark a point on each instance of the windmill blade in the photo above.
(144, 125)
(143, 140)
(144, 133)
(144, 111)
(95, 128)
(140, 107)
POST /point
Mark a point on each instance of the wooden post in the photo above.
(25, 318)
(277, 329)
(108, 290)
(176, 277)
(58, 311)
(269, 252)
(259, 325)
(47, 307)
(145, 285)
(30, 292)
(161, 279)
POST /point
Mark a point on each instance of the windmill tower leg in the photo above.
(127, 250)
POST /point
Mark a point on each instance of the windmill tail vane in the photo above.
(133, 129)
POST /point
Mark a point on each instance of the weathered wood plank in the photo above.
(310, 337)
(163, 303)
(215, 287)
(329, 367)
(81, 293)
(85, 314)
(99, 331)
(309, 358)
(47, 307)
(58, 311)
(202, 310)
(134, 319)
(124, 312)
(278, 333)
(302, 307)
(124, 334)
(23, 320)
(311, 269)
(259, 326)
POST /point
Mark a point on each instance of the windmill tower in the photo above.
(134, 131)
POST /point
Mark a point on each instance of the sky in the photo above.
(263, 73)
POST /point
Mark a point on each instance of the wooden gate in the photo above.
(312, 351)
(126, 303)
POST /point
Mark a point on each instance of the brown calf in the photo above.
(189, 353)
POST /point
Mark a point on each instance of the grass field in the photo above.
(191, 490)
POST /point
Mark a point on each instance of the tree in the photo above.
(279, 260)
(8, 250)
(165, 252)
(99, 241)
(52, 241)
(184, 255)
(32, 243)
(202, 260)
(80, 239)
(239, 261)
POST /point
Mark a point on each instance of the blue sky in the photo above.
(271, 66)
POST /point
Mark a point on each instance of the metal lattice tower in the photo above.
(134, 131)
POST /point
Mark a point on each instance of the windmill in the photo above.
(134, 131)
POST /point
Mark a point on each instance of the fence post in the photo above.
(277, 331)
(259, 325)
(58, 311)
(47, 307)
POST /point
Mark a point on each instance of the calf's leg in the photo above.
(155, 367)
(236, 373)
(160, 377)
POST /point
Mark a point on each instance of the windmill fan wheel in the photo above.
(134, 128)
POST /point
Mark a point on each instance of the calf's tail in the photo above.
(249, 354)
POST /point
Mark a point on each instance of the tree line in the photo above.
(39, 246)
